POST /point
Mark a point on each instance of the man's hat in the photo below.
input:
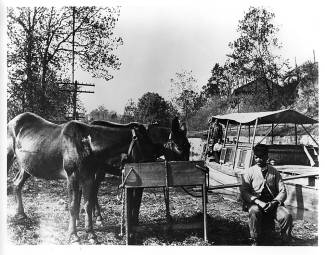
(260, 149)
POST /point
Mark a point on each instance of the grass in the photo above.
(46, 207)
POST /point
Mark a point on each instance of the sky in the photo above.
(162, 38)
(165, 37)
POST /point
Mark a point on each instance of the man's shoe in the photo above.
(286, 239)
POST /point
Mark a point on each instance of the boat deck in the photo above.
(297, 169)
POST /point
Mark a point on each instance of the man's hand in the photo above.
(270, 206)
(260, 203)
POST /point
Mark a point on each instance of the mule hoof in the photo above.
(93, 241)
(99, 222)
(21, 216)
(74, 239)
(92, 238)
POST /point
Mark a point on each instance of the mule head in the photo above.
(142, 148)
(178, 147)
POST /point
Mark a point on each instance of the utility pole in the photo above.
(73, 82)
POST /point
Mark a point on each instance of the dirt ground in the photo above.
(46, 206)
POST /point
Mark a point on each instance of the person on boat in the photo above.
(216, 134)
(264, 193)
(217, 150)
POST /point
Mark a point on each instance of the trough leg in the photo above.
(19, 181)
(135, 204)
(127, 216)
(204, 199)
(166, 195)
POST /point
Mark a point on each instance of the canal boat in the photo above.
(238, 133)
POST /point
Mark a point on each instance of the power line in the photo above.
(75, 90)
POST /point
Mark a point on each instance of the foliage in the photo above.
(213, 106)
(130, 110)
(252, 52)
(184, 95)
(102, 113)
(252, 60)
(220, 83)
(40, 49)
(307, 100)
(152, 108)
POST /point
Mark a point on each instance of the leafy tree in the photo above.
(40, 45)
(102, 113)
(220, 83)
(253, 50)
(307, 100)
(130, 111)
(213, 106)
(152, 108)
(184, 94)
(252, 54)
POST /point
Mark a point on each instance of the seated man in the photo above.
(264, 192)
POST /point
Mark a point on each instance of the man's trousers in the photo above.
(261, 222)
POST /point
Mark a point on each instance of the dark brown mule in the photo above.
(174, 146)
(72, 151)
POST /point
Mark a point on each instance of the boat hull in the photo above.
(303, 197)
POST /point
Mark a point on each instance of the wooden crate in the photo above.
(161, 174)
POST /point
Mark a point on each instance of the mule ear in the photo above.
(184, 127)
(175, 125)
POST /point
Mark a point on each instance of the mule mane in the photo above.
(114, 124)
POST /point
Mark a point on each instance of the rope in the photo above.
(189, 193)
(123, 213)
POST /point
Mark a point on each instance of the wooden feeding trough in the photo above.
(164, 174)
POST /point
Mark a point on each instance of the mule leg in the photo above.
(73, 190)
(78, 207)
(98, 179)
(19, 181)
(88, 191)
(166, 195)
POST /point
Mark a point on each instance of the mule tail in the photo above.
(10, 146)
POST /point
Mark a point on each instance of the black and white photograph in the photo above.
(160, 123)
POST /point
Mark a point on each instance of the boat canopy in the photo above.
(271, 117)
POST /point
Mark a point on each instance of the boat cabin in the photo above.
(279, 130)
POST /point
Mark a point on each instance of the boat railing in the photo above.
(279, 154)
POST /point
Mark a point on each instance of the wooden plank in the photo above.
(182, 173)
(153, 174)
(296, 169)
(146, 174)
(302, 197)
(234, 185)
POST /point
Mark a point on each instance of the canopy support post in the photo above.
(309, 134)
(237, 142)
(254, 134)
(296, 135)
(272, 135)
(249, 133)
(226, 133)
